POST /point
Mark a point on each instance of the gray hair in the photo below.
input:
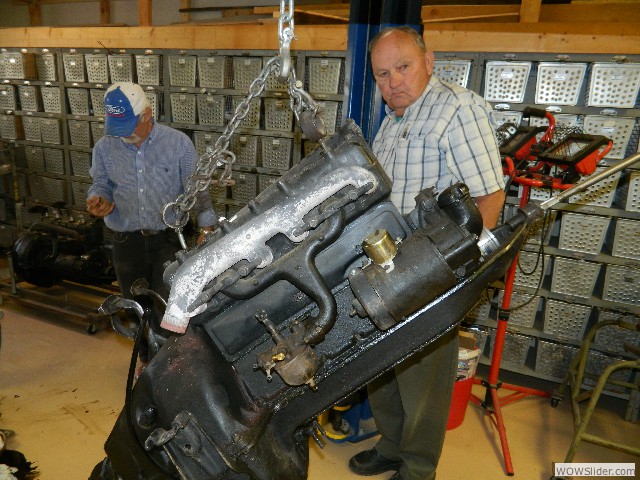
(404, 29)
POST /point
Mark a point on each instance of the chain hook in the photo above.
(285, 35)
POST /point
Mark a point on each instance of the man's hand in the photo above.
(99, 206)
(202, 235)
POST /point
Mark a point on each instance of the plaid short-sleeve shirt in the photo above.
(445, 137)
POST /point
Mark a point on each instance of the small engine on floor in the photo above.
(312, 290)
(63, 249)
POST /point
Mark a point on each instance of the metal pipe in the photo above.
(547, 204)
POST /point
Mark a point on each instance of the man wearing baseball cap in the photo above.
(137, 168)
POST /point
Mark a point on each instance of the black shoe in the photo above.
(370, 462)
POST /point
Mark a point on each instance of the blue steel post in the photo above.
(367, 17)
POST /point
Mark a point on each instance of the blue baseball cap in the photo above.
(123, 104)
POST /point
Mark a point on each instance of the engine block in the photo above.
(312, 290)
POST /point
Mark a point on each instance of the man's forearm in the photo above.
(490, 207)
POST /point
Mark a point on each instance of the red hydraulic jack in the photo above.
(493, 403)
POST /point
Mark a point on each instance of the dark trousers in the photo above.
(410, 406)
(143, 256)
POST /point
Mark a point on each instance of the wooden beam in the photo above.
(144, 13)
(621, 38)
(566, 38)
(530, 11)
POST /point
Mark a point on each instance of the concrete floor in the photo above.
(62, 389)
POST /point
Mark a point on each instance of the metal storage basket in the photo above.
(276, 152)
(324, 75)
(148, 69)
(629, 193)
(245, 71)
(32, 129)
(554, 359)
(277, 115)
(245, 148)
(596, 364)
(273, 84)
(121, 68)
(612, 337)
(80, 133)
(265, 181)
(152, 96)
(212, 71)
(17, 65)
(73, 67)
(559, 83)
(328, 111)
(583, 233)
(8, 97)
(79, 191)
(453, 71)
(97, 101)
(182, 70)
(618, 129)
(97, 131)
(97, 67)
(51, 99)
(515, 349)
(183, 108)
(78, 101)
(53, 190)
(204, 140)
(574, 277)
(29, 98)
(626, 240)
(80, 163)
(525, 315)
(54, 160)
(246, 187)
(599, 194)
(252, 120)
(50, 131)
(308, 147)
(46, 66)
(614, 85)
(10, 127)
(527, 261)
(211, 109)
(501, 117)
(565, 320)
(35, 158)
(506, 81)
(622, 285)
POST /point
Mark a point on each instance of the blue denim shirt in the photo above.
(141, 181)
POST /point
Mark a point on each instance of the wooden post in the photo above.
(144, 13)
(105, 12)
(35, 13)
(530, 11)
(185, 17)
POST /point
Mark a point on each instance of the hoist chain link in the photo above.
(220, 156)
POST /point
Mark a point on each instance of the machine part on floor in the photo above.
(49, 253)
(290, 270)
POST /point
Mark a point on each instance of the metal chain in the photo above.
(220, 155)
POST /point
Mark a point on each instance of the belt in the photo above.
(148, 233)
